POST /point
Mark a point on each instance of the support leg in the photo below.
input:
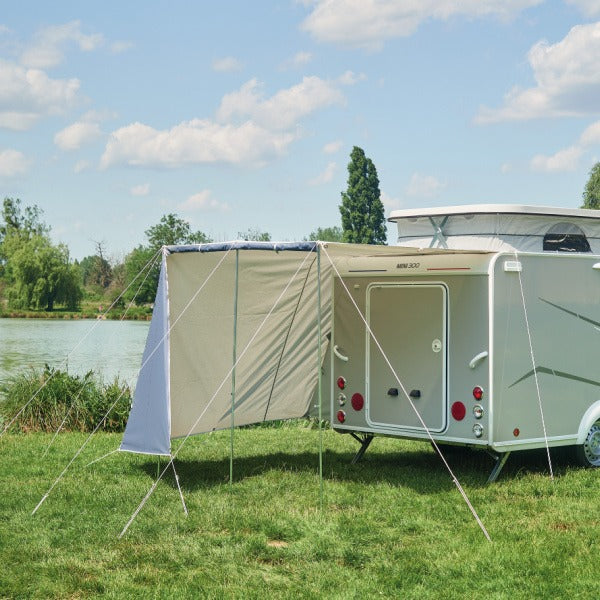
(364, 441)
(500, 462)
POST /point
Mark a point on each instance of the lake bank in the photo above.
(137, 314)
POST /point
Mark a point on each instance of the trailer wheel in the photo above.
(588, 453)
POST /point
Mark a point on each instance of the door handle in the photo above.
(337, 352)
(477, 359)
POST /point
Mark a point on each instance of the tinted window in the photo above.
(566, 237)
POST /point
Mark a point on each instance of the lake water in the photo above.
(109, 348)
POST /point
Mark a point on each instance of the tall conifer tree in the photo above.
(363, 219)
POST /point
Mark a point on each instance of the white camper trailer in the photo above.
(480, 328)
(496, 347)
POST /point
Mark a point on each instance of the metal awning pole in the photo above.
(319, 377)
(235, 316)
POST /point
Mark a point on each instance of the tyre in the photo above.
(588, 453)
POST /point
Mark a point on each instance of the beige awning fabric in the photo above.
(276, 370)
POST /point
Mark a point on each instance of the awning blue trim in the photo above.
(244, 245)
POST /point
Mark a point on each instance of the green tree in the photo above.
(143, 289)
(36, 274)
(40, 275)
(24, 222)
(171, 230)
(327, 234)
(254, 235)
(96, 271)
(363, 219)
(591, 193)
(18, 222)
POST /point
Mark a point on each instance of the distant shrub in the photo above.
(78, 401)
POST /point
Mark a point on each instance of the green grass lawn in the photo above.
(391, 526)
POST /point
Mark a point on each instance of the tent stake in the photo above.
(235, 316)
(185, 510)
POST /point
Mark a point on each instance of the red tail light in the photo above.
(477, 392)
(458, 410)
(341, 416)
(341, 383)
(357, 401)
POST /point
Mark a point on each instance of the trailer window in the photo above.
(566, 237)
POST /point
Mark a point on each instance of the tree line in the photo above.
(37, 274)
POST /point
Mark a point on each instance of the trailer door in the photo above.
(410, 323)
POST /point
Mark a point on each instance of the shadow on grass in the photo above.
(420, 469)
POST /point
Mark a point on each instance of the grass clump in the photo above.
(54, 399)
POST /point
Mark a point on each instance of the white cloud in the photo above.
(351, 78)
(48, 44)
(333, 147)
(193, 142)
(18, 120)
(591, 135)
(28, 94)
(326, 176)
(424, 186)
(120, 47)
(564, 160)
(140, 190)
(369, 23)
(299, 59)
(250, 129)
(81, 165)
(390, 203)
(202, 201)
(282, 110)
(590, 8)
(567, 76)
(96, 116)
(12, 162)
(567, 159)
(226, 64)
(78, 134)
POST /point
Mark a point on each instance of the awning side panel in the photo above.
(148, 426)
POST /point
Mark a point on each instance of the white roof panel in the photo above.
(487, 209)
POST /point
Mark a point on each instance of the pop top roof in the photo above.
(494, 209)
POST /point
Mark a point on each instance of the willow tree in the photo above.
(363, 219)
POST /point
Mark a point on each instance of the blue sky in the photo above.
(240, 115)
